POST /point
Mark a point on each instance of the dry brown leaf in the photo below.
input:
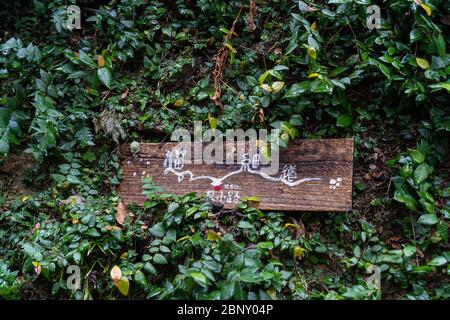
(251, 16)
(122, 213)
(124, 94)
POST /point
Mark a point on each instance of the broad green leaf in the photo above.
(437, 261)
(441, 85)
(87, 60)
(344, 120)
(150, 269)
(140, 278)
(72, 179)
(159, 259)
(92, 232)
(104, 75)
(386, 71)
(409, 251)
(245, 225)
(428, 219)
(4, 143)
(422, 172)
(172, 207)
(297, 89)
(158, 230)
(199, 278)
(416, 155)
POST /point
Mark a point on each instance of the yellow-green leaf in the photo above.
(272, 293)
(263, 77)
(123, 285)
(183, 238)
(313, 75)
(212, 121)
(229, 46)
(212, 236)
(266, 88)
(426, 8)
(277, 86)
(299, 252)
(423, 63)
(312, 53)
(251, 198)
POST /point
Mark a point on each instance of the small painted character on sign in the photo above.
(179, 159)
(255, 161)
(232, 197)
(168, 161)
(245, 161)
(289, 172)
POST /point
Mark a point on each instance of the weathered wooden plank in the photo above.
(328, 162)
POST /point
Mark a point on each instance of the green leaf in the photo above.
(199, 277)
(72, 179)
(92, 232)
(158, 230)
(297, 89)
(150, 269)
(87, 60)
(441, 85)
(385, 70)
(417, 156)
(172, 207)
(422, 172)
(140, 278)
(344, 120)
(159, 259)
(428, 219)
(409, 251)
(4, 143)
(245, 225)
(104, 76)
(437, 261)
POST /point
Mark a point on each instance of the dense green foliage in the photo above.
(137, 69)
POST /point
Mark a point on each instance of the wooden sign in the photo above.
(313, 175)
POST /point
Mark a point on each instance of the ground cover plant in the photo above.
(136, 70)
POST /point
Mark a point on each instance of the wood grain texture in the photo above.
(325, 159)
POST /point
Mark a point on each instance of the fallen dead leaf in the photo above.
(122, 213)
